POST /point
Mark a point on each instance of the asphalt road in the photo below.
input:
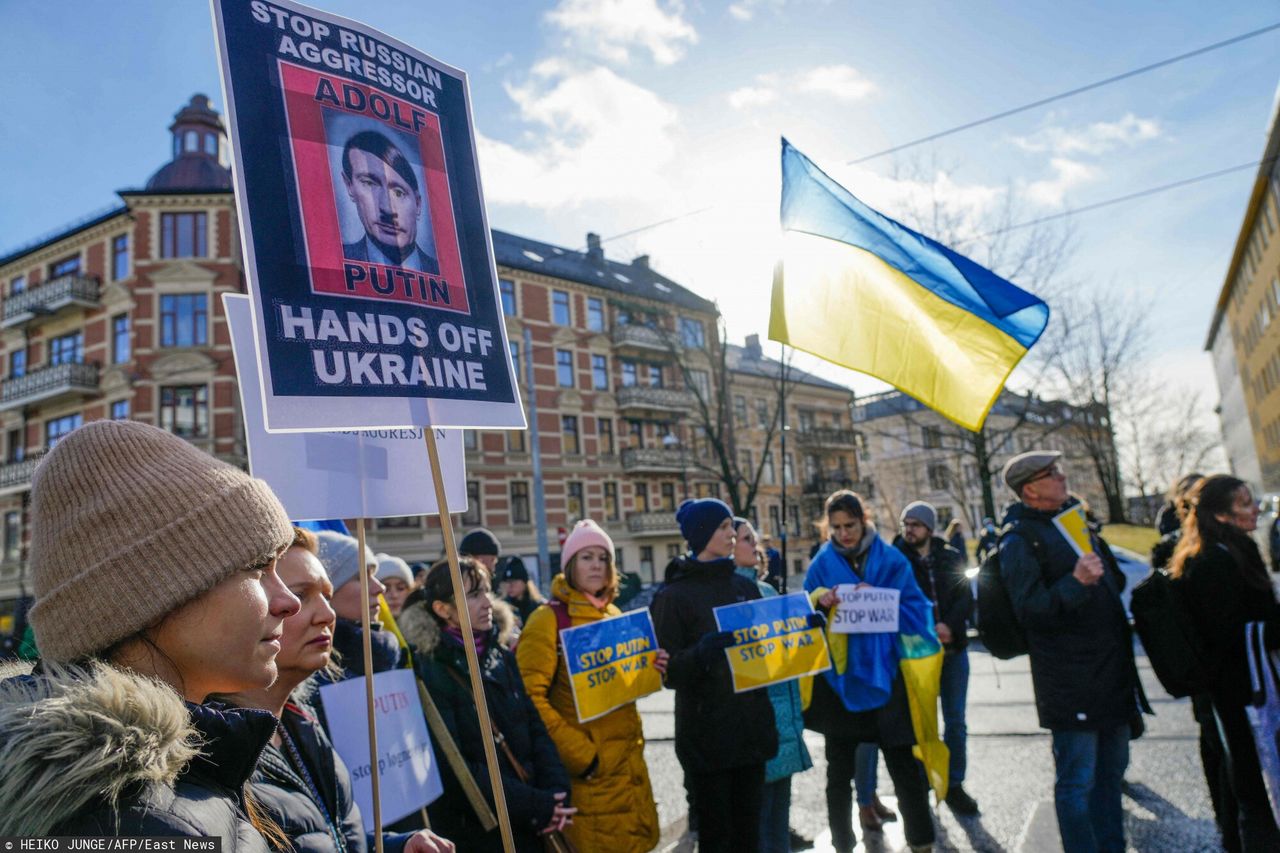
(1010, 774)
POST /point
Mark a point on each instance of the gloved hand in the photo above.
(711, 647)
(817, 620)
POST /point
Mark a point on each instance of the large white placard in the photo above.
(372, 474)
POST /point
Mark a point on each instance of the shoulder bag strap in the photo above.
(498, 737)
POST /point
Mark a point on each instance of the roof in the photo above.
(70, 230)
(742, 360)
(1010, 403)
(190, 172)
(629, 279)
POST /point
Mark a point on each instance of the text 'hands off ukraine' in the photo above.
(369, 256)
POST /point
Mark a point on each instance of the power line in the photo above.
(1070, 93)
(676, 218)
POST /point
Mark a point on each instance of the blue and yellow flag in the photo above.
(863, 291)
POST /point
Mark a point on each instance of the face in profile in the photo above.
(308, 634)
(347, 601)
(744, 549)
(388, 206)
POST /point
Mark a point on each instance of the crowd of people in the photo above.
(185, 627)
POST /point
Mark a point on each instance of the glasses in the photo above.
(1052, 471)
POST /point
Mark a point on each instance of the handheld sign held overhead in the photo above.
(773, 641)
(368, 254)
(610, 663)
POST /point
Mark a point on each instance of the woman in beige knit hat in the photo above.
(154, 572)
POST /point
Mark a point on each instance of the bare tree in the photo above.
(1161, 444)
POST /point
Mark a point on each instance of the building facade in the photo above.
(909, 452)
(1244, 337)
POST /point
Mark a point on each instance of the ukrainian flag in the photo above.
(860, 290)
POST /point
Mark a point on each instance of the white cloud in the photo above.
(596, 137)
(612, 28)
(1067, 174)
(1097, 138)
(840, 81)
(765, 91)
(742, 11)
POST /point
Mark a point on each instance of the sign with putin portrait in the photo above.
(367, 249)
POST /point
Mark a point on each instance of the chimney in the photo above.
(594, 251)
(753, 347)
(641, 261)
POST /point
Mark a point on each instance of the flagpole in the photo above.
(782, 405)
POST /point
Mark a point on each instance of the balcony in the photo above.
(49, 298)
(653, 459)
(823, 484)
(655, 399)
(825, 437)
(653, 523)
(48, 383)
(644, 338)
(16, 476)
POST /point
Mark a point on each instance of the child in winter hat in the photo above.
(698, 520)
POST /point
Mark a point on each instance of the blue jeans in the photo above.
(953, 691)
(865, 771)
(775, 817)
(1090, 769)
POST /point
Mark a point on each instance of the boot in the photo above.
(870, 821)
(960, 801)
(886, 814)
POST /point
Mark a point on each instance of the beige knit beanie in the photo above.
(129, 523)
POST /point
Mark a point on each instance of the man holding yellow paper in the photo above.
(1067, 599)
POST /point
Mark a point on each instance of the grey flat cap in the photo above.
(1022, 468)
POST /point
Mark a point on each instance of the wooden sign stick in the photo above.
(468, 644)
(368, 687)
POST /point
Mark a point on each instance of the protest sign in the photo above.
(772, 641)
(410, 777)
(610, 663)
(368, 254)
(865, 610)
(1074, 525)
(355, 474)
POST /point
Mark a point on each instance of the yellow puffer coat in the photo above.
(616, 811)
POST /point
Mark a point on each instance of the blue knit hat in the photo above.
(699, 519)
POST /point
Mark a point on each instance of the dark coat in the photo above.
(100, 751)
(348, 642)
(716, 729)
(437, 655)
(944, 571)
(1082, 665)
(282, 789)
(1221, 603)
(421, 261)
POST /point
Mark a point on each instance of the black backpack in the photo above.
(1173, 645)
(998, 625)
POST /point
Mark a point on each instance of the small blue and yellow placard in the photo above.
(772, 641)
(610, 663)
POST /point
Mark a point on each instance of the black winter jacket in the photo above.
(1082, 665)
(100, 751)
(1221, 603)
(716, 729)
(348, 642)
(281, 788)
(530, 806)
(943, 569)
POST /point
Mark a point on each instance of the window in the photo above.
(770, 472)
(516, 441)
(574, 504)
(184, 410)
(120, 339)
(184, 235)
(560, 308)
(700, 381)
(655, 376)
(739, 410)
(763, 417)
(67, 349)
(211, 144)
(192, 141)
(564, 368)
(520, 503)
(611, 501)
(515, 358)
(642, 497)
(932, 438)
(120, 257)
(706, 490)
(673, 550)
(507, 288)
(604, 429)
(669, 497)
(788, 468)
(473, 517)
(775, 519)
(120, 410)
(646, 561)
(17, 285)
(470, 441)
(57, 429)
(12, 536)
(184, 320)
(571, 443)
(692, 334)
(407, 522)
(600, 372)
(812, 466)
(595, 314)
(17, 363)
(807, 420)
(636, 430)
(14, 450)
(628, 374)
(795, 519)
(938, 477)
(66, 266)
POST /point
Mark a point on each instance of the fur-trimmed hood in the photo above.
(72, 737)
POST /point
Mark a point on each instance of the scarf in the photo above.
(481, 638)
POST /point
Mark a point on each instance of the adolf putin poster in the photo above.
(368, 252)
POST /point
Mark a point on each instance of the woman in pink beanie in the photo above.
(605, 756)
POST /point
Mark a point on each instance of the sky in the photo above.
(612, 115)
